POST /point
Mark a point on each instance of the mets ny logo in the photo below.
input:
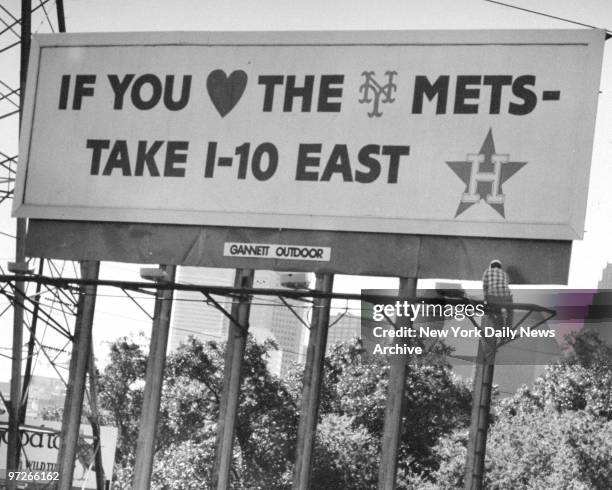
(484, 174)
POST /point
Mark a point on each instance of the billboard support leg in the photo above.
(393, 410)
(479, 425)
(311, 389)
(151, 399)
(234, 354)
(71, 419)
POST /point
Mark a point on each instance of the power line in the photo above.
(543, 14)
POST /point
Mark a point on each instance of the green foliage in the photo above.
(537, 449)
(186, 465)
(556, 435)
(346, 455)
(265, 429)
(435, 401)
(354, 395)
(582, 380)
(191, 393)
(120, 394)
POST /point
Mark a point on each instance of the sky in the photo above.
(589, 256)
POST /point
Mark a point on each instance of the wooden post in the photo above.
(79, 360)
(481, 406)
(311, 389)
(228, 407)
(151, 400)
(393, 410)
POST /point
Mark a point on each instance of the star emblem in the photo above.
(484, 174)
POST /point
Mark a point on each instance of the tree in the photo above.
(266, 424)
(347, 448)
(536, 449)
(346, 455)
(581, 380)
(355, 392)
(121, 389)
(556, 435)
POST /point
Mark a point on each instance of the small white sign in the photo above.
(40, 440)
(276, 251)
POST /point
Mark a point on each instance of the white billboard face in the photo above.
(40, 441)
(476, 133)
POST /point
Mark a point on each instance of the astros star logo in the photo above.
(484, 174)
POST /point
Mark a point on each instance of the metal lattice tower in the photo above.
(46, 314)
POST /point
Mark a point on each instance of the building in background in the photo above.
(606, 278)
(46, 394)
(190, 313)
(343, 327)
(599, 318)
(270, 318)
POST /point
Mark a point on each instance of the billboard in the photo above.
(464, 133)
(40, 440)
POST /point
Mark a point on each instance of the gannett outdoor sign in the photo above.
(276, 251)
(470, 133)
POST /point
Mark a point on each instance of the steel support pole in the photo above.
(481, 406)
(230, 397)
(27, 377)
(151, 400)
(311, 389)
(393, 411)
(79, 361)
(61, 18)
(13, 443)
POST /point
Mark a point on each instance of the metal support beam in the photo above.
(230, 397)
(151, 401)
(13, 443)
(61, 18)
(395, 397)
(75, 391)
(311, 389)
(27, 377)
(481, 406)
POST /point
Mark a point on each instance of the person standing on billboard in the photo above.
(496, 291)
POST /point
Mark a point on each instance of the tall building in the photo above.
(191, 315)
(606, 278)
(270, 318)
(600, 313)
(343, 327)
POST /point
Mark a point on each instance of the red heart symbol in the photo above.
(224, 91)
